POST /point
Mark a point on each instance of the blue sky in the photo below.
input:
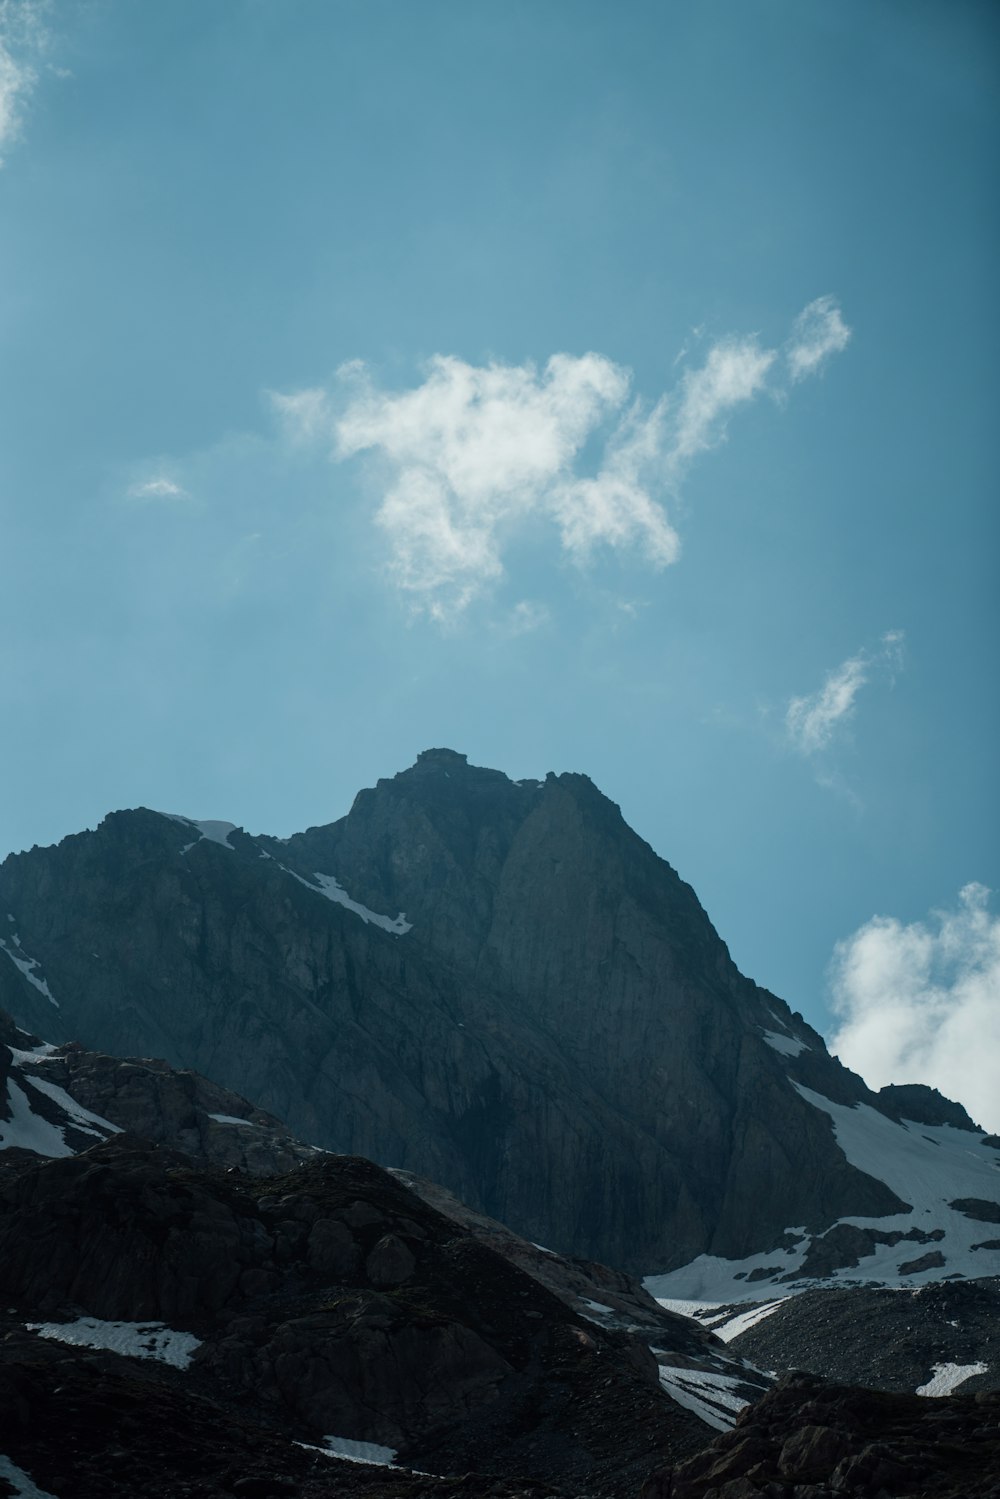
(583, 387)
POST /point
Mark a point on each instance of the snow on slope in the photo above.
(948, 1377)
(27, 1129)
(76, 1115)
(728, 1328)
(789, 1046)
(321, 884)
(329, 885)
(927, 1166)
(360, 1452)
(41, 1113)
(710, 1396)
(133, 1339)
(27, 965)
(211, 830)
(22, 1485)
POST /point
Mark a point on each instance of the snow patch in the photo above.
(329, 885)
(787, 1045)
(705, 1312)
(78, 1116)
(27, 966)
(132, 1339)
(211, 830)
(23, 1486)
(604, 1314)
(733, 1326)
(360, 1452)
(34, 1054)
(948, 1377)
(598, 1306)
(232, 1119)
(27, 1129)
(710, 1281)
(709, 1396)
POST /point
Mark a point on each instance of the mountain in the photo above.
(499, 986)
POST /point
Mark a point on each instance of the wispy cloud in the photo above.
(158, 488)
(819, 331)
(474, 454)
(812, 722)
(920, 1003)
(525, 618)
(735, 371)
(23, 39)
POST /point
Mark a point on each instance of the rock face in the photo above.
(494, 984)
(56, 1101)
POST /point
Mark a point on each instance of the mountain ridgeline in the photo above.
(494, 984)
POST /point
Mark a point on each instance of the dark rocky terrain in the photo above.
(326, 1300)
(888, 1340)
(150, 1100)
(811, 1440)
(555, 1032)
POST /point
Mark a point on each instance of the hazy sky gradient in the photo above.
(583, 387)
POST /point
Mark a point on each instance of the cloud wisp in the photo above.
(819, 331)
(158, 488)
(23, 39)
(920, 1003)
(476, 454)
(813, 722)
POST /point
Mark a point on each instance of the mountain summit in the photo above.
(495, 984)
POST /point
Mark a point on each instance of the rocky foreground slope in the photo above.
(265, 1318)
(494, 984)
(810, 1440)
(331, 1300)
(270, 1294)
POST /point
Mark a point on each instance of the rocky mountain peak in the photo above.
(924, 1105)
(495, 984)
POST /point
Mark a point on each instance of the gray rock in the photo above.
(390, 1263)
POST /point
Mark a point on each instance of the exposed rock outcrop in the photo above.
(810, 1440)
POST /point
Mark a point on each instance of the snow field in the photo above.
(132, 1339)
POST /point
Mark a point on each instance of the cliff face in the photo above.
(495, 984)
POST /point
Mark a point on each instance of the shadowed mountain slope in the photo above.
(494, 984)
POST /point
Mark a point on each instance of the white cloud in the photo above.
(812, 722)
(472, 451)
(159, 488)
(819, 331)
(735, 371)
(615, 507)
(475, 454)
(305, 414)
(23, 38)
(920, 1003)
